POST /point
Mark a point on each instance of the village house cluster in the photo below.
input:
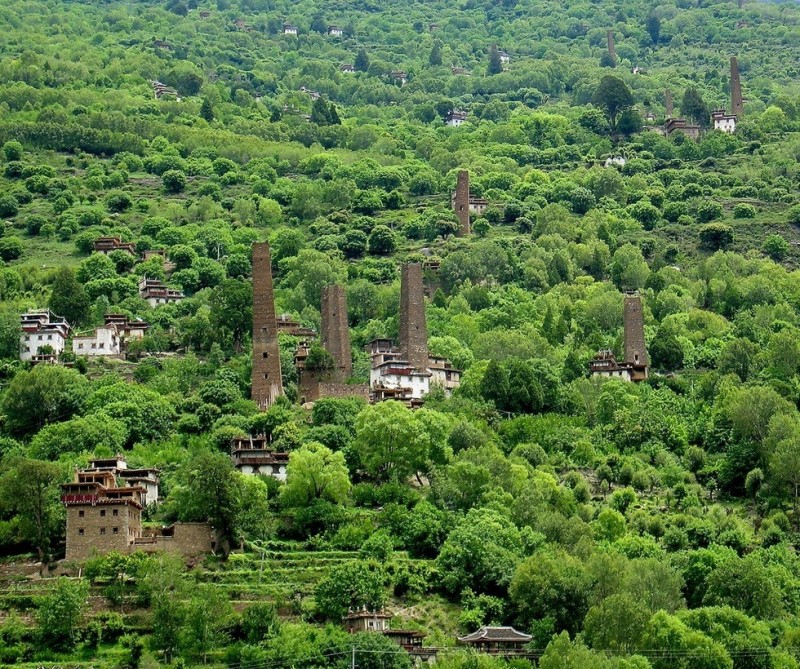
(635, 365)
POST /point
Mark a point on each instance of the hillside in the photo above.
(613, 524)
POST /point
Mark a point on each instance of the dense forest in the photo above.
(620, 525)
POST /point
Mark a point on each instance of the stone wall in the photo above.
(737, 103)
(335, 330)
(461, 203)
(267, 384)
(635, 349)
(312, 387)
(93, 530)
(413, 330)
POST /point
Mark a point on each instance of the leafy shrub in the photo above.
(744, 210)
(776, 247)
(9, 206)
(708, 210)
(716, 236)
(173, 181)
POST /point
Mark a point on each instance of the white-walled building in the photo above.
(455, 118)
(155, 292)
(253, 456)
(335, 31)
(723, 121)
(289, 29)
(504, 57)
(43, 337)
(102, 341)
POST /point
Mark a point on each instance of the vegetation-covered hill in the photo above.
(621, 525)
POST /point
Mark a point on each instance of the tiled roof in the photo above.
(495, 634)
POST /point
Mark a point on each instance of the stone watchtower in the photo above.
(737, 103)
(612, 49)
(635, 349)
(266, 381)
(413, 330)
(461, 203)
(335, 333)
(670, 108)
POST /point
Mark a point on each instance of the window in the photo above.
(102, 513)
(80, 345)
(80, 513)
(94, 345)
(102, 530)
(115, 512)
(80, 531)
(40, 337)
(49, 337)
(102, 344)
(115, 530)
(27, 338)
(265, 355)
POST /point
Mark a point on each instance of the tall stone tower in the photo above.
(461, 203)
(612, 49)
(737, 104)
(635, 349)
(266, 381)
(668, 103)
(335, 333)
(413, 330)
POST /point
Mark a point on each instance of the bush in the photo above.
(645, 213)
(708, 210)
(776, 247)
(10, 248)
(716, 236)
(744, 210)
(174, 181)
(118, 202)
(12, 151)
(794, 215)
(9, 206)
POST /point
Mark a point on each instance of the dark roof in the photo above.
(495, 634)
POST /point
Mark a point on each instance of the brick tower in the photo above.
(612, 49)
(461, 203)
(335, 333)
(266, 380)
(635, 349)
(737, 104)
(413, 330)
(668, 103)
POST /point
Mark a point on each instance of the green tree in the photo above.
(174, 181)
(60, 614)
(653, 27)
(30, 489)
(435, 57)
(68, 298)
(694, 107)
(160, 583)
(231, 305)
(495, 64)
(45, 394)
(207, 614)
(617, 624)
(613, 97)
(351, 585)
(314, 473)
(382, 241)
(207, 110)
(784, 467)
(361, 62)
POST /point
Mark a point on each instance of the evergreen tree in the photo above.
(362, 61)
(206, 110)
(436, 54)
(653, 27)
(495, 64)
(68, 298)
(613, 97)
(318, 24)
(694, 107)
(319, 112)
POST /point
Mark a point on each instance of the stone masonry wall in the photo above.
(635, 349)
(96, 529)
(335, 330)
(413, 329)
(267, 384)
(461, 203)
(737, 104)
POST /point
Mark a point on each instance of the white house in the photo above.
(289, 29)
(504, 57)
(155, 293)
(614, 161)
(723, 121)
(43, 337)
(347, 69)
(102, 341)
(455, 118)
(335, 31)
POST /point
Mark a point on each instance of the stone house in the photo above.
(155, 292)
(289, 29)
(400, 76)
(126, 329)
(103, 517)
(43, 336)
(335, 31)
(347, 69)
(106, 245)
(253, 455)
(505, 59)
(364, 620)
(455, 118)
(144, 478)
(723, 121)
(636, 364)
(680, 125)
(100, 342)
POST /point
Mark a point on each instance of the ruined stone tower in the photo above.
(461, 203)
(668, 103)
(737, 104)
(413, 330)
(635, 349)
(266, 380)
(335, 333)
(612, 49)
